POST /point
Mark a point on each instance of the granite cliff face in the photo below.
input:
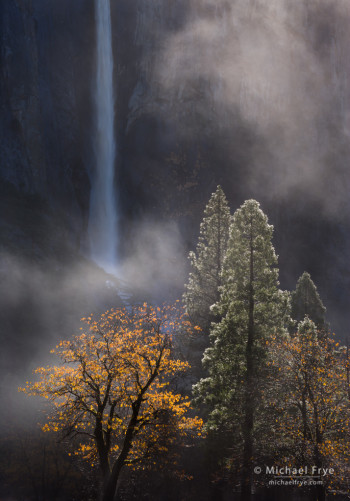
(47, 122)
(45, 102)
(253, 95)
(193, 96)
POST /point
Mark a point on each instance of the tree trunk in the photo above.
(246, 477)
(320, 489)
(111, 481)
(110, 484)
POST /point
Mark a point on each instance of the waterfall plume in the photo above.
(103, 207)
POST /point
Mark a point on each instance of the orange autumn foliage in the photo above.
(113, 389)
(311, 405)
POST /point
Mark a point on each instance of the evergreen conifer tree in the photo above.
(306, 301)
(252, 309)
(202, 289)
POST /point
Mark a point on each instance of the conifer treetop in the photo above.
(202, 289)
(306, 301)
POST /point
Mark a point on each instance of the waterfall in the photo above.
(103, 211)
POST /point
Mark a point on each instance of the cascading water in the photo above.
(103, 210)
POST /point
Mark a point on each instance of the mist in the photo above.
(282, 67)
(250, 94)
(43, 301)
(155, 266)
(265, 82)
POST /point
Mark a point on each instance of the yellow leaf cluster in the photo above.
(114, 381)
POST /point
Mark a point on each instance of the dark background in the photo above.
(252, 95)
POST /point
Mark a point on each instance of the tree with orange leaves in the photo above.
(112, 389)
(310, 405)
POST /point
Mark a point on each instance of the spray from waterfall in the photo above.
(103, 210)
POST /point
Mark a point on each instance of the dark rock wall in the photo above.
(45, 101)
(176, 142)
